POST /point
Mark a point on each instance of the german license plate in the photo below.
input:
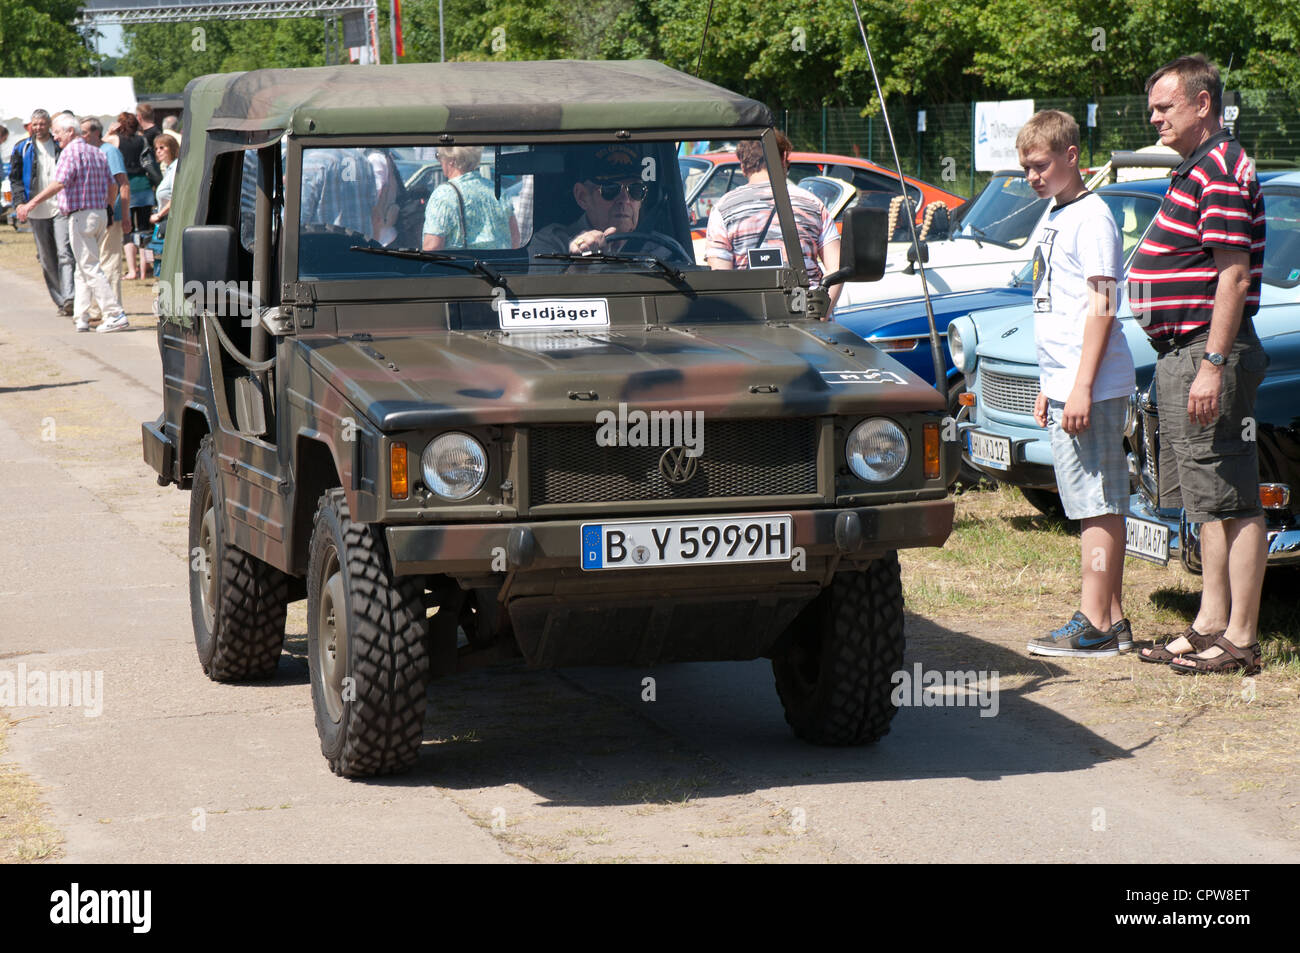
(989, 450)
(1146, 540)
(647, 544)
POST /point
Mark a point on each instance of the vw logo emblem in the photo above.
(677, 467)
(1008, 333)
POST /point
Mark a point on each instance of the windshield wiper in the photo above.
(474, 266)
(675, 274)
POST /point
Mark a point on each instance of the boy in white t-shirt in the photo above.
(1085, 376)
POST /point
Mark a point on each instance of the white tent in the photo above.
(102, 96)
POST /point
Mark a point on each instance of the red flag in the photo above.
(397, 21)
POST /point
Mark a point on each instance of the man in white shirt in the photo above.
(31, 169)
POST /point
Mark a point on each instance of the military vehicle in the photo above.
(464, 437)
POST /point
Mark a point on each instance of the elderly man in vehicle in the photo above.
(611, 194)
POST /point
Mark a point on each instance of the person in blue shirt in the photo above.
(119, 225)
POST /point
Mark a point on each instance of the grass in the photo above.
(25, 835)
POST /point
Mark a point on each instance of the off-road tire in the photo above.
(379, 638)
(835, 674)
(239, 633)
(1047, 502)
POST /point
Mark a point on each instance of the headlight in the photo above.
(962, 339)
(1131, 415)
(454, 466)
(876, 450)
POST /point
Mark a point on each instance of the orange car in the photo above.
(707, 176)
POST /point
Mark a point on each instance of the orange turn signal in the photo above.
(1274, 496)
(932, 451)
(397, 479)
(966, 399)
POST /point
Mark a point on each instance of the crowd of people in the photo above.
(94, 200)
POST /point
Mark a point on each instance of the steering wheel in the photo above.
(643, 239)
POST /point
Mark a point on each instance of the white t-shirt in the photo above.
(1077, 241)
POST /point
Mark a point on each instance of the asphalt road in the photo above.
(516, 765)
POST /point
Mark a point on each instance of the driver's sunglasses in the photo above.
(636, 191)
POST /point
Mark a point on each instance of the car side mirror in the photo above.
(209, 265)
(864, 243)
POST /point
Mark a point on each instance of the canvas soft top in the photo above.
(539, 96)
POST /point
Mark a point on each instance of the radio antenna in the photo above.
(708, 18)
(936, 352)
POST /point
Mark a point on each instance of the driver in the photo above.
(611, 194)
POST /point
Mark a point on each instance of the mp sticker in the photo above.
(873, 375)
(548, 314)
(766, 258)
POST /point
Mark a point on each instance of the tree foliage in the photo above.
(37, 39)
(794, 53)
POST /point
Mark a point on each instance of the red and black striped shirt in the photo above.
(1172, 280)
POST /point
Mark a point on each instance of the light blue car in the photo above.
(995, 350)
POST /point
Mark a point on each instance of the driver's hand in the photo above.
(592, 240)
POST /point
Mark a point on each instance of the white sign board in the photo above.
(996, 126)
(102, 96)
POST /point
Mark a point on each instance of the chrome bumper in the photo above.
(1185, 537)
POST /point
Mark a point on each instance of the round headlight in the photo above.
(876, 450)
(454, 466)
(954, 345)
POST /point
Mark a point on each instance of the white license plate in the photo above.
(1146, 540)
(647, 544)
(989, 450)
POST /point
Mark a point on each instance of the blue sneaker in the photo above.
(1124, 633)
(1078, 638)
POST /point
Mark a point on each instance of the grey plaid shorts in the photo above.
(1091, 467)
(1211, 472)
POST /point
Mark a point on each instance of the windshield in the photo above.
(1005, 213)
(1132, 213)
(1282, 238)
(421, 211)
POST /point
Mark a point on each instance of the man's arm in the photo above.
(1233, 266)
(124, 193)
(831, 262)
(51, 190)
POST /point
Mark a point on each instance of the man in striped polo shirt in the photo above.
(744, 231)
(1194, 286)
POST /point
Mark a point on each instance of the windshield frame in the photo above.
(646, 280)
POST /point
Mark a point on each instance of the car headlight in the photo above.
(961, 344)
(876, 450)
(454, 466)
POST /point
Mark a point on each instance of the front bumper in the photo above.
(473, 549)
(1185, 537)
(1031, 455)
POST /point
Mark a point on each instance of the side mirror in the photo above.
(864, 243)
(209, 265)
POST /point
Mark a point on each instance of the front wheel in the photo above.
(366, 647)
(834, 674)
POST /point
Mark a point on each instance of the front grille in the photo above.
(1150, 452)
(740, 458)
(1008, 393)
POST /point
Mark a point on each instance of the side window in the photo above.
(718, 186)
(248, 201)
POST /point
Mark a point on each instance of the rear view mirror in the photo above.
(864, 244)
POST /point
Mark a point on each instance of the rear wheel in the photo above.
(835, 673)
(237, 602)
(366, 647)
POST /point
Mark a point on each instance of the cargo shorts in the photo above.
(1211, 472)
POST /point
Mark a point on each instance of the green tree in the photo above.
(37, 39)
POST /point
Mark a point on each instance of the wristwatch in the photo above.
(1218, 360)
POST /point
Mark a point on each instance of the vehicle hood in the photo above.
(463, 378)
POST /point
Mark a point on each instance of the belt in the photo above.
(1163, 346)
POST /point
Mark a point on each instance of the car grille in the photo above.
(1150, 453)
(1008, 393)
(740, 458)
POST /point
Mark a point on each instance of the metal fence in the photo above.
(1268, 126)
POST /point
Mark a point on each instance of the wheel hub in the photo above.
(207, 575)
(332, 640)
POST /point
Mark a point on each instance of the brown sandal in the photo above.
(1200, 642)
(1232, 658)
